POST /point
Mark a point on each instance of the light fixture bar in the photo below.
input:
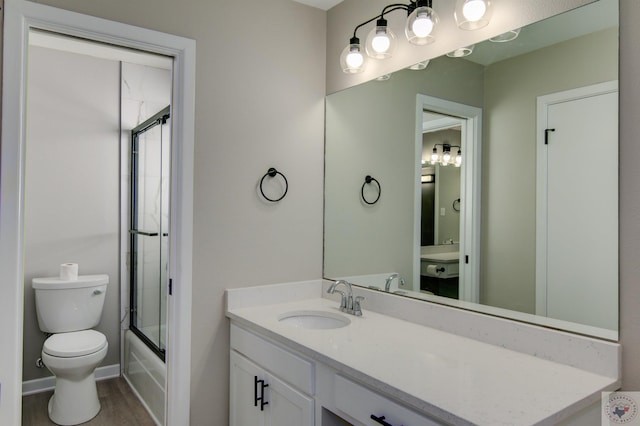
(420, 29)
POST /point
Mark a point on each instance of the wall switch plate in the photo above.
(442, 211)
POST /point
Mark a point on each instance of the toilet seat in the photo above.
(74, 343)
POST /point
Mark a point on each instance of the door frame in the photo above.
(542, 105)
(20, 17)
(470, 179)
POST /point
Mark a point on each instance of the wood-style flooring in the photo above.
(120, 407)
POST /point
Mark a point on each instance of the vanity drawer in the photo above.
(360, 403)
(288, 366)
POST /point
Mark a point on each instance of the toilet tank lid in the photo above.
(56, 283)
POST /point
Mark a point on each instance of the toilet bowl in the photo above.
(73, 357)
(68, 309)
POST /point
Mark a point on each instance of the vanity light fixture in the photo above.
(472, 14)
(352, 59)
(420, 29)
(445, 158)
(419, 66)
(504, 37)
(461, 52)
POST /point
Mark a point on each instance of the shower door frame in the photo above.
(21, 16)
(158, 119)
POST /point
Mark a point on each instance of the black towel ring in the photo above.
(456, 205)
(272, 172)
(369, 179)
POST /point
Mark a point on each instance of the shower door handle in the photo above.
(146, 234)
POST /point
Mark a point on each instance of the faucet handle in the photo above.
(357, 309)
(343, 300)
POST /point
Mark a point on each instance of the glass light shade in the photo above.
(381, 42)
(505, 37)
(419, 66)
(434, 156)
(472, 14)
(446, 158)
(458, 161)
(421, 26)
(352, 59)
(461, 52)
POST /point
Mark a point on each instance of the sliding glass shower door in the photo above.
(149, 231)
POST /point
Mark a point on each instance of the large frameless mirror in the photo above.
(496, 174)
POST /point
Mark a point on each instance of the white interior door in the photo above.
(577, 217)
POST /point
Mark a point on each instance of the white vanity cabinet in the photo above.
(259, 398)
(273, 386)
(372, 409)
(268, 385)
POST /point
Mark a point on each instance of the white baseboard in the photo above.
(44, 384)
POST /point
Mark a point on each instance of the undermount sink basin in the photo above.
(318, 320)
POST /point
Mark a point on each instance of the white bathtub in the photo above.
(146, 374)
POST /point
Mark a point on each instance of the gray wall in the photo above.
(363, 239)
(72, 183)
(629, 193)
(509, 150)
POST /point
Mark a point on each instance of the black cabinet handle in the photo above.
(260, 398)
(380, 420)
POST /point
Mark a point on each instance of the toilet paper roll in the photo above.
(69, 271)
(432, 269)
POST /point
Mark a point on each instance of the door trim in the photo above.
(20, 17)
(470, 179)
(543, 103)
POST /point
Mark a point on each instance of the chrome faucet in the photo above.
(347, 304)
(390, 278)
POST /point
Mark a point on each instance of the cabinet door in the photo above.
(282, 404)
(243, 411)
(287, 406)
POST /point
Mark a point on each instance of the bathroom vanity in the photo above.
(297, 360)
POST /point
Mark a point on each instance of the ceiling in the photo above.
(320, 4)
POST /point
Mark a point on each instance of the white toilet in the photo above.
(69, 309)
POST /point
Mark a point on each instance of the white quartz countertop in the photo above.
(450, 257)
(456, 379)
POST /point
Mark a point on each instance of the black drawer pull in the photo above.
(260, 398)
(380, 420)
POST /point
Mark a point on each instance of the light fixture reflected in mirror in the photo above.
(444, 157)
(419, 66)
(504, 37)
(461, 52)
(384, 77)
(472, 14)
(420, 29)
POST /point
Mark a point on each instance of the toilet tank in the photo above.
(69, 305)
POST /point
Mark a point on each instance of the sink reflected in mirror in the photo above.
(314, 320)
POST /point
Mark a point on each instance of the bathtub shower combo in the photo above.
(145, 340)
